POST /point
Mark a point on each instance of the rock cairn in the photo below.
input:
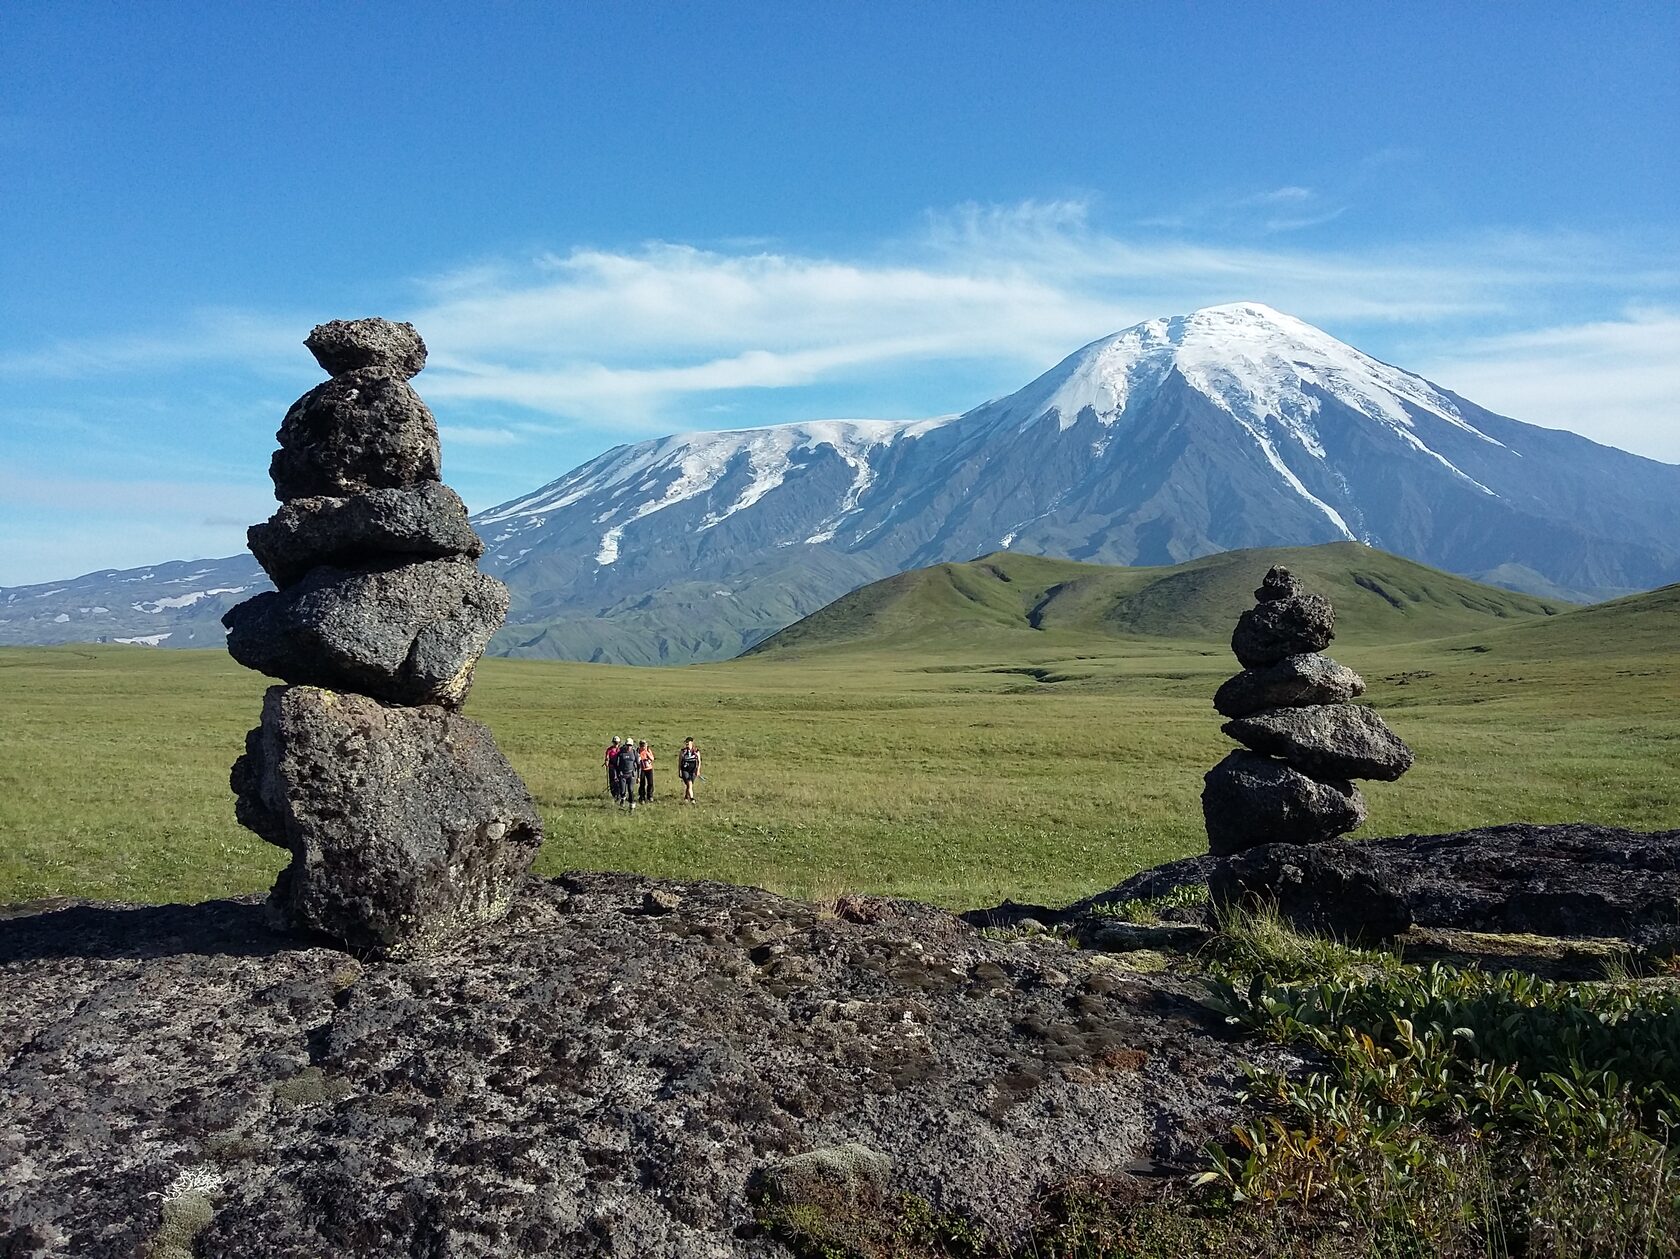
(405, 822)
(1291, 707)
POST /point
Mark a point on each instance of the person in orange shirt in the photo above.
(644, 788)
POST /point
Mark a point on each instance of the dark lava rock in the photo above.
(348, 345)
(427, 521)
(1278, 583)
(364, 430)
(1571, 880)
(1327, 889)
(405, 825)
(1326, 740)
(576, 1080)
(1249, 799)
(1291, 626)
(405, 633)
(1292, 682)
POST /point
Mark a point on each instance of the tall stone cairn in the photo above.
(405, 822)
(1304, 738)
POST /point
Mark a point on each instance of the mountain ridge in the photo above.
(1232, 427)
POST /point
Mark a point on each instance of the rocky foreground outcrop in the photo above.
(1571, 880)
(615, 1067)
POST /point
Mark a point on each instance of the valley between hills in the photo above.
(1011, 727)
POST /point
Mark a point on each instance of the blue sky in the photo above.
(612, 221)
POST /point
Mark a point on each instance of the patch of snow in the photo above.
(689, 465)
(186, 601)
(609, 545)
(143, 640)
(61, 618)
(1007, 540)
(43, 594)
(1283, 469)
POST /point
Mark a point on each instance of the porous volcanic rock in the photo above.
(364, 430)
(1279, 628)
(405, 825)
(1326, 740)
(579, 1079)
(1293, 682)
(404, 633)
(1567, 880)
(1278, 583)
(427, 521)
(1515, 882)
(1250, 799)
(1327, 889)
(348, 345)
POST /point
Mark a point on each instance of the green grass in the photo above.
(958, 769)
(1009, 601)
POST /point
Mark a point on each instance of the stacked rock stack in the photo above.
(1306, 740)
(404, 820)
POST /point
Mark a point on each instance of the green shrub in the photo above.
(1455, 1111)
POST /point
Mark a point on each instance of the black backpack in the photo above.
(687, 761)
(629, 764)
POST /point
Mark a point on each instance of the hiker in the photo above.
(629, 767)
(644, 782)
(688, 769)
(611, 763)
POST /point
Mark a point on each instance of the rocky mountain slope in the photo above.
(1234, 426)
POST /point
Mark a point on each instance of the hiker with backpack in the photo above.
(629, 769)
(688, 769)
(644, 778)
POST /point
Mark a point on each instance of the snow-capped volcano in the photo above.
(1232, 426)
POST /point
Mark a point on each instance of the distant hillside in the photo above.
(1645, 624)
(1003, 597)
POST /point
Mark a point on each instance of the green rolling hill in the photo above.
(1009, 601)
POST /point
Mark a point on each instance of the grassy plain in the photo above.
(1034, 765)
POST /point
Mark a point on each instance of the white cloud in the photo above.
(1615, 381)
(647, 337)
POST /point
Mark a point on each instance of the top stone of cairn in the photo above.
(1279, 583)
(348, 345)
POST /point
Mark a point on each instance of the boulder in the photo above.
(405, 825)
(348, 345)
(427, 521)
(363, 430)
(1327, 889)
(1249, 799)
(403, 633)
(829, 1178)
(1326, 740)
(1289, 626)
(1278, 583)
(1293, 682)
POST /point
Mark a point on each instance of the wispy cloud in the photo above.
(646, 337)
(1616, 380)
